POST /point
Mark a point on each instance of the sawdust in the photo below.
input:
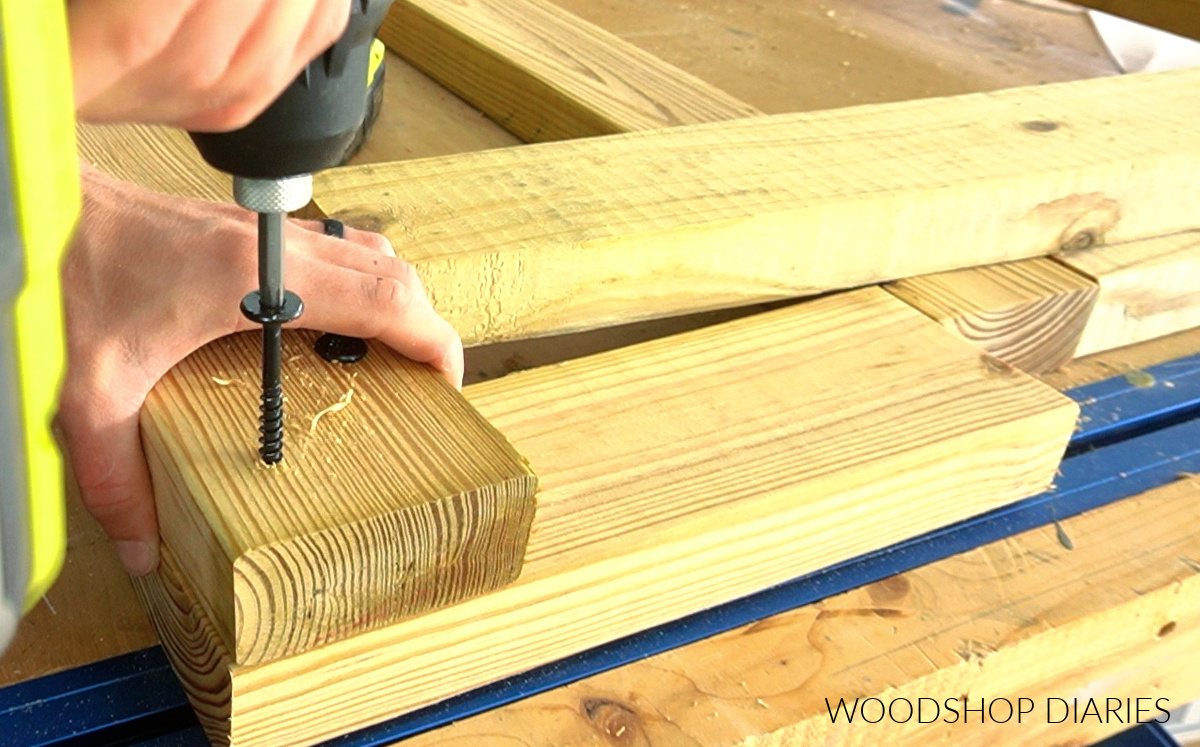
(338, 406)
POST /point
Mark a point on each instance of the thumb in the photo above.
(105, 452)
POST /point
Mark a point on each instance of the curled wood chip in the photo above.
(336, 406)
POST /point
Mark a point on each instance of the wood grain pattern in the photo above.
(187, 634)
(1177, 16)
(795, 55)
(158, 158)
(587, 233)
(1126, 360)
(525, 62)
(1148, 288)
(1118, 616)
(545, 75)
(687, 471)
(401, 501)
(1030, 314)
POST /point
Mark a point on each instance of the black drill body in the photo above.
(312, 123)
(307, 129)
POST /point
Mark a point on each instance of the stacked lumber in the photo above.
(679, 473)
(996, 624)
(675, 475)
(545, 74)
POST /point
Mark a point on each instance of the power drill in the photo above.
(308, 128)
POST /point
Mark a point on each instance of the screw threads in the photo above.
(271, 306)
(271, 425)
(271, 407)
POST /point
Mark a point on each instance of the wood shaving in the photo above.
(335, 407)
(1064, 539)
(224, 382)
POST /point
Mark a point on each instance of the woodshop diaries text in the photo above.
(1000, 710)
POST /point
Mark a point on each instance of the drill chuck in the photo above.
(273, 195)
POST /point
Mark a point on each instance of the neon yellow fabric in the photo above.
(41, 125)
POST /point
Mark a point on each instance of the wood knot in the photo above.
(1040, 125)
(993, 366)
(1080, 241)
(889, 590)
(616, 722)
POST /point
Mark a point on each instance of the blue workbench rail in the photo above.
(1136, 432)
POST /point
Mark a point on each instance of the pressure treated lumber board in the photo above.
(1030, 314)
(1148, 288)
(1177, 16)
(395, 496)
(158, 158)
(675, 474)
(586, 233)
(1116, 616)
(546, 75)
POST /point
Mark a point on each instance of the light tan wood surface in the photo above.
(1115, 615)
(1125, 361)
(158, 158)
(802, 55)
(546, 75)
(675, 475)
(1148, 289)
(420, 118)
(395, 497)
(531, 67)
(933, 53)
(1030, 314)
(586, 233)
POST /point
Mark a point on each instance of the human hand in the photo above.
(151, 278)
(207, 65)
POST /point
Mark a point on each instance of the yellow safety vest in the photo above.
(39, 205)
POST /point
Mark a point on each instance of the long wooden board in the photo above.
(158, 158)
(546, 74)
(675, 474)
(1116, 616)
(394, 497)
(577, 234)
(1148, 289)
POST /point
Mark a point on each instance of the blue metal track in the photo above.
(1136, 433)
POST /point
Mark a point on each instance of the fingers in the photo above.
(309, 237)
(210, 65)
(105, 452)
(385, 302)
(105, 46)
